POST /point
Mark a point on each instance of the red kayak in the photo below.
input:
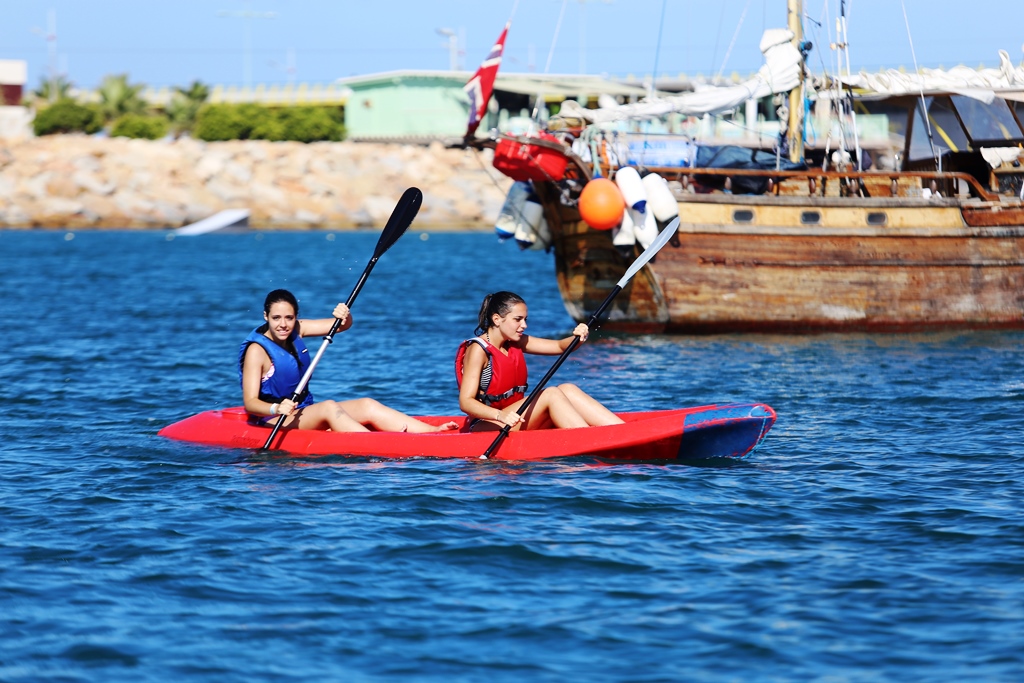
(730, 431)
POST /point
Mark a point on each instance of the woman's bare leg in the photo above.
(380, 417)
(327, 415)
(552, 407)
(589, 408)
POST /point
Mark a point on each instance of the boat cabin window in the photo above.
(1018, 108)
(987, 122)
(742, 216)
(810, 217)
(959, 124)
(877, 218)
(920, 146)
(946, 132)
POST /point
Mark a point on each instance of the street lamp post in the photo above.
(453, 47)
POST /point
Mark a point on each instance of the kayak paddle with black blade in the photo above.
(401, 218)
(639, 263)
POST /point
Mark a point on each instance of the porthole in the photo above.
(877, 218)
(810, 217)
(742, 216)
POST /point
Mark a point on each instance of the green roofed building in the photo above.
(419, 106)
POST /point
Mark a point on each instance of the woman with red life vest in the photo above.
(491, 372)
(273, 359)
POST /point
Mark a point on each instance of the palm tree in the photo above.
(52, 89)
(118, 97)
(185, 104)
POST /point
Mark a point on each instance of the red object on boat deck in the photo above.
(523, 161)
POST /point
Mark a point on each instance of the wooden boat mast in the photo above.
(794, 10)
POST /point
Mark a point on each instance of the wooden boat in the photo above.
(793, 261)
(726, 431)
(935, 242)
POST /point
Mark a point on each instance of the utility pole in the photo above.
(51, 47)
(247, 15)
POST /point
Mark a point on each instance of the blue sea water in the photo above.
(877, 535)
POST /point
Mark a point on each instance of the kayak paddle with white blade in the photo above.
(401, 218)
(639, 263)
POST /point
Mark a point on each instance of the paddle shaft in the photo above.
(329, 337)
(639, 263)
(401, 219)
(547, 376)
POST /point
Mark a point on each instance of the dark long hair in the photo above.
(499, 303)
(280, 295)
(273, 298)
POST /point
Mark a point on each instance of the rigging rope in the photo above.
(924, 105)
(732, 43)
(535, 117)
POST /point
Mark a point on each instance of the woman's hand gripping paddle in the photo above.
(401, 218)
(639, 263)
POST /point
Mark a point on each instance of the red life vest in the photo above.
(508, 374)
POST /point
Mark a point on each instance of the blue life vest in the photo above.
(288, 370)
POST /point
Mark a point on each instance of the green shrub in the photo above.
(67, 116)
(309, 124)
(253, 121)
(217, 122)
(139, 126)
(256, 117)
(270, 128)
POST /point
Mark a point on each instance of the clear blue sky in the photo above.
(164, 42)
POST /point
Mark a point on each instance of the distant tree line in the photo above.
(122, 112)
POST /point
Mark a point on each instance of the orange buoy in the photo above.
(601, 204)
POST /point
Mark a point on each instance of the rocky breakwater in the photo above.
(75, 181)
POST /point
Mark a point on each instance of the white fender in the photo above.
(632, 188)
(543, 233)
(625, 234)
(512, 210)
(530, 217)
(646, 229)
(660, 200)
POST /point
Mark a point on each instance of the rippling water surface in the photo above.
(877, 535)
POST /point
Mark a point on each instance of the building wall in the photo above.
(408, 108)
(13, 74)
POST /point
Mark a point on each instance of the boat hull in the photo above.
(755, 263)
(731, 431)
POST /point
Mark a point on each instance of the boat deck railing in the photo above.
(850, 183)
(889, 183)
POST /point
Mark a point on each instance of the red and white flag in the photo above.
(481, 85)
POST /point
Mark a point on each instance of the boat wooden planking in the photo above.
(792, 262)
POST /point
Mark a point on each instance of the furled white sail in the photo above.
(981, 84)
(780, 73)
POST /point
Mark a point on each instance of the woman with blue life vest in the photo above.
(273, 359)
(491, 372)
